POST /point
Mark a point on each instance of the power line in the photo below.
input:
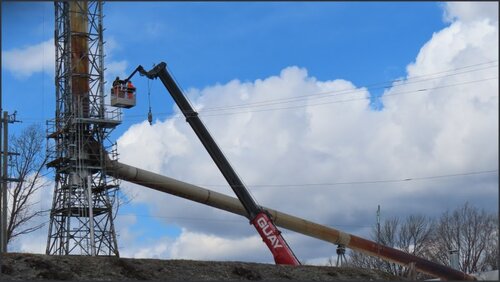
(382, 181)
(418, 91)
(432, 177)
(183, 218)
(354, 182)
(347, 100)
(322, 95)
(217, 219)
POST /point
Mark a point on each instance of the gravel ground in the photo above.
(17, 266)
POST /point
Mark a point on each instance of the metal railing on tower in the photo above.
(81, 217)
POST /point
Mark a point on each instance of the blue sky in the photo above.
(225, 53)
(354, 41)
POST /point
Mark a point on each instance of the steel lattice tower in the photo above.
(81, 218)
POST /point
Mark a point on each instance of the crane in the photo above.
(264, 219)
(259, 217)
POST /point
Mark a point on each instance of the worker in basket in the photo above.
(118, 88)
(130, 90)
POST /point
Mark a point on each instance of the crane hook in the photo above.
(150, 114)
(150, 117)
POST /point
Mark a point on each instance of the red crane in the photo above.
(258, 217)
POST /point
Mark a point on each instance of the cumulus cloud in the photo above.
(23, 62)
(291, 128)
(470, 11)
(442, 118)
(154, 29)
(116, 68)
(212, 247)
(26, 61)
(209, 247)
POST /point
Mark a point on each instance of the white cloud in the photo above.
(445, 129)
(470, 11)
(111, 45)
(154, 29)
(212, 247)
(23, 62)
(208, 247)
(458, 45)
(26, 61)
(113, 66)
(158, 251)
(116, 68)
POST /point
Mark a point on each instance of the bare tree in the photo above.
(492, 258)
(27, 167)
(471, 232)
(411, 236)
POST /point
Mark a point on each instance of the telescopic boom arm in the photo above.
(258, 217)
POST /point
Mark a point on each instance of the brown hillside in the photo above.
(17, 266)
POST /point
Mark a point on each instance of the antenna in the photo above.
(378, 230)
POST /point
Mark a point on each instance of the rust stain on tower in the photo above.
(79, 57)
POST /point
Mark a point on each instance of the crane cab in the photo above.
(123, 94)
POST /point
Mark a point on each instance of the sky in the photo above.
(325, 109)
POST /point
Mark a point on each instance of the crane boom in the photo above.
(258, 217)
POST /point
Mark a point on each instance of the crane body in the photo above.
(263, 219)
(258, 217)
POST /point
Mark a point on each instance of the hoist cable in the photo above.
(150, 114)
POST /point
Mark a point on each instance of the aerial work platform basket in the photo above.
(122, 94)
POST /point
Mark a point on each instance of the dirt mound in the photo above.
(17, 266)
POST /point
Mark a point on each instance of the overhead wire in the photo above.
(346, 100)
(179, 217)
(223, 110)
(353, 182)
(222, 113)
(432, 177)
(183, 218)
(323, 184)
(210, 133)
(180, 88)
(398, 180)
(322, 95)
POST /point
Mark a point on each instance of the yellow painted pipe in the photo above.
(217, 200)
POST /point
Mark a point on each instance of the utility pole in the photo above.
(5, 156)
(378, 235)
(6, 119)
(1, 190)
(1, 195)
(378, 227)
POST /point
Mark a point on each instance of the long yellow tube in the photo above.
(217, 200)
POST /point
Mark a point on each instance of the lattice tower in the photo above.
(81, 218)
